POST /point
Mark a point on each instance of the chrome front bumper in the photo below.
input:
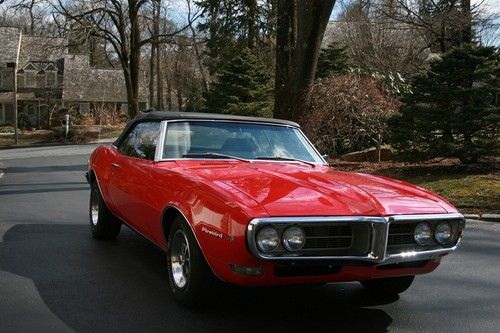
(379, 229)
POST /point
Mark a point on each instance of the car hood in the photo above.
(291, 189)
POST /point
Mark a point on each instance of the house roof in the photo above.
(85, 83)
(9, 38)
(41, 49)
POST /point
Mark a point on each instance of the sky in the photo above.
(179, 12)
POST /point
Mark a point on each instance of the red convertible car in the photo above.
(250, 201)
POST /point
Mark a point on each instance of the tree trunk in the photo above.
(169, 94)
(152, 72)
(251, 19)
(135, 55)
(159, 78)
(179, 99)
(467, 24)
(301, 26)
(158, 53)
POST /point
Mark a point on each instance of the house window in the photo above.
(2, 79)
(30, 79)
(51, 79)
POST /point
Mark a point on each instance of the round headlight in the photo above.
(442, 233)
(293, 238)
(423, 233)
(267, 239)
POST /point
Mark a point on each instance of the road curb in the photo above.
(483, 217)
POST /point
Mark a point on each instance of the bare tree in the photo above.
(443, 23)
(121, 24)
(300, 28)
(195, 42)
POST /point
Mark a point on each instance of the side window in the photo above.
(141, 141)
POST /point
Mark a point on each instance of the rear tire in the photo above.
(103, 224)
(190, 277)
(388, 286)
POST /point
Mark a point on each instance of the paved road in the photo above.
(55, 278)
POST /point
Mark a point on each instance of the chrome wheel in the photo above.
(94, 207)
(180, 259)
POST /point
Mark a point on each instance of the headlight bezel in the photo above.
(420, 240)
(448, 239)
(285, 238)
(260, 245)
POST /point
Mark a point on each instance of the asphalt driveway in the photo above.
(55, 278)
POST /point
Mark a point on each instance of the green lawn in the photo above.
(471, 188)
(470, 193)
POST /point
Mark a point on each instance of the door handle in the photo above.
(115, 165)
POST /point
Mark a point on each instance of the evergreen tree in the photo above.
(454, 110)
(332, 60)
(242, 87)
(231, 25)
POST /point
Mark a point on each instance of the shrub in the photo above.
(23, 121)
(349, 112)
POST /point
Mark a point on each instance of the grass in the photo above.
(471, 188)
(27, 139)
(82, 134)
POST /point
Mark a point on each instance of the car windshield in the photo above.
(219, 139)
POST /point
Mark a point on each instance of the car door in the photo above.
(132, 174)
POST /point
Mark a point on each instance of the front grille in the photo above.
(328, 237)
(401, 236)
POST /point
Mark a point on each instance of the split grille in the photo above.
(328, 237)
(401, 234)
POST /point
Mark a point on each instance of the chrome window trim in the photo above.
(164, 127)
(161, 141)
(378, 245)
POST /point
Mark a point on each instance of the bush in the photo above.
(452, 111)
(23, 121)
(349, 112)
(6, 128)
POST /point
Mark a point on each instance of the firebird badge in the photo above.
(212, 233)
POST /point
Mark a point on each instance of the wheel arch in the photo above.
(91, 176)
(170, 212)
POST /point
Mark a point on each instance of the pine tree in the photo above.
(454, 110)
(332, 60)
(242, 87)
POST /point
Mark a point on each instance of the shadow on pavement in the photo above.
(122, 286)
(49, 168)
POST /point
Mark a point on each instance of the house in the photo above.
(48, 77)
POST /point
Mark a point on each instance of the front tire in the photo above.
(388, 286)
(103, 224)
(189, 275)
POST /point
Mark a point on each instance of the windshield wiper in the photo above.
(280, 158)
(215, 155)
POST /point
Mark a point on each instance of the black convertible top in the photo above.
(168, 115)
